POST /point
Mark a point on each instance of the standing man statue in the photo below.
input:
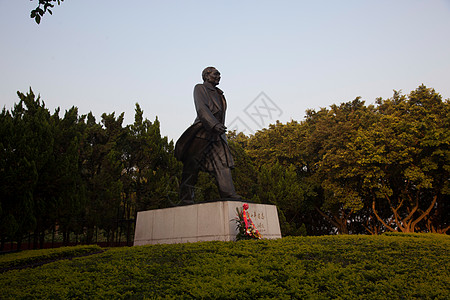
(203, 146)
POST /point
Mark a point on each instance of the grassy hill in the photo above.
(390, 266)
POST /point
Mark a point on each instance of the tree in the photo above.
(39, 167)
(279, 159)
(36, 145)
(396, 152)
(335, 166)
(69, 133)
(150, 173)
(150, 163)
(280, 186)
(43, 7)
(414, 138)
(18, 177)
(245, 176)
(102, 166)
(282, 143)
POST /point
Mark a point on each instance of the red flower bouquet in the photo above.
(247, 230)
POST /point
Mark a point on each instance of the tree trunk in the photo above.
(431, 228)
(53, 235)
(19, 242)
(35, 239)
(42, 239)
(372, 227)
(2, 243)
(408, 223)
(65, 237)
(89, 235)
(340, 222)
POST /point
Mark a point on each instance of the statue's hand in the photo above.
(220, 128)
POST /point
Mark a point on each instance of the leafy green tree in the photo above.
(413, 138)
(150, 164)
(36, 145)
(17, 179)
(330, 132)
(280, 186)
(279, 159)
(40, 160)
(245, 176)
(150, 171)
(102, 169)
(396, 152)
(280, 143)
(69, 132)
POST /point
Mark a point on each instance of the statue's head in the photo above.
(211, 75)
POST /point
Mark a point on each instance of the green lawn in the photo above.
(391, 266)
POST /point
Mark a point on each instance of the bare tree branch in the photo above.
(380, 219)
(425, 213)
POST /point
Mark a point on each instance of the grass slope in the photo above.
(391, 266)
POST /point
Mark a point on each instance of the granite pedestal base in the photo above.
(211, 221)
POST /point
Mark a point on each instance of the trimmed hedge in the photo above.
(394, 266)
(32, 257)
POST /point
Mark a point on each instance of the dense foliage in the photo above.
(360, 169)
(394, 266)
(76, 175)
(351, 168)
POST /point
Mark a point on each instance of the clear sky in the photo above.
(277, 58)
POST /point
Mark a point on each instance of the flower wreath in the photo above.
(247, 230)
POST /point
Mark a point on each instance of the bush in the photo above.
(347, 267)
(32, 257)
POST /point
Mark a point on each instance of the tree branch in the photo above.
(327, 217)
(413, 210)
(39, 12)
(379, 219)
(425, 213)
(444, 231)
(394, 210)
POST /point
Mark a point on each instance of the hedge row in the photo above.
(391, 266)
(32, 257)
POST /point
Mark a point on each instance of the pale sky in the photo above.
(278, 58)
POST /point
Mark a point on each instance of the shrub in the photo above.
(30, 257)
(346, 267)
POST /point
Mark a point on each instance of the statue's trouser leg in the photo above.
(225, 183)
(188, 181)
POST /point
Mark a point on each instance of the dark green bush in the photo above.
(326, 267)
(24, 258)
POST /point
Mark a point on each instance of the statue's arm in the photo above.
(204, 113)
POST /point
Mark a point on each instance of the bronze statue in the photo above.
(203, 146)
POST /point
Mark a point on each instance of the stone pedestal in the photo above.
(211, 221)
